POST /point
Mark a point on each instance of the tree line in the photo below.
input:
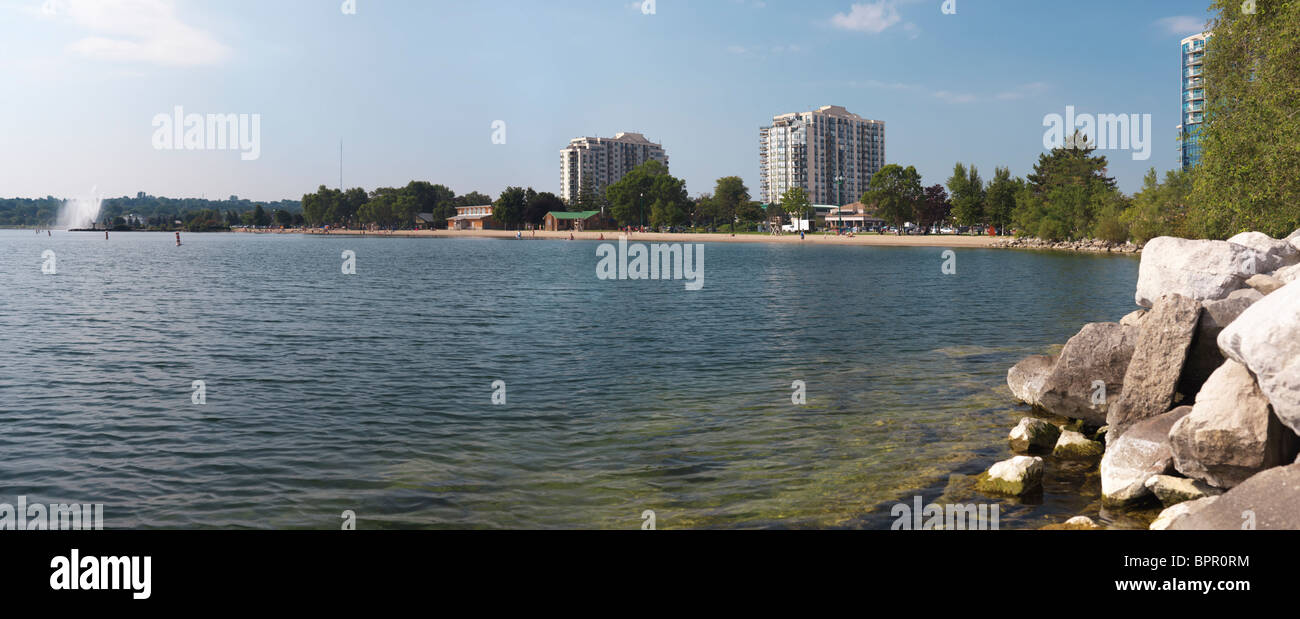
(147, 212)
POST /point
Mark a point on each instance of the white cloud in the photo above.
(1182, 24)
(138, 31)
(871, 17)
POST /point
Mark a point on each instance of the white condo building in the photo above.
(831, 153)
(601, 162)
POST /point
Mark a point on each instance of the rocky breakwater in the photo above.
(1192, 401)
(1096, 246)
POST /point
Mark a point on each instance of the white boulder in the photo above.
(1274, 253)
(1266, 339)
(1200, 270)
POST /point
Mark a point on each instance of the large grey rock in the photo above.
(1273, 253)
(1027, 377)
(1177, 512)
(1174, 490)
(1294, 239)
(1269, 500)
(1266, 339)
(1157, 364)
(1100, 353)
(1033, 435)
(1231, 433)
(1205, 356)
(1201, 270)
(1135, 456)
(1014, 477)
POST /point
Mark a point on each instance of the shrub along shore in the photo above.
(1190, 403)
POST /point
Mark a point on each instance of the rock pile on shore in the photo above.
(1196, 394)
(1086, 245)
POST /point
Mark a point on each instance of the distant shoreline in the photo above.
(886, 240)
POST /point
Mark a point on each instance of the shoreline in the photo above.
(870, 240)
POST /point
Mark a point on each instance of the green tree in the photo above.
(933, 207)
(541, 204)
(633, 196)
(1247, 176)
(1000, 198)
(895, 191)
(349, 203)
(260, 217)
(1063, 194)
(730, 196)
(1161, 209)
(704, 211)
(795, 203)
(967, 195)
(508, 210)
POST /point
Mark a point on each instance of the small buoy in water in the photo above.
(178, 238)
(106, 235)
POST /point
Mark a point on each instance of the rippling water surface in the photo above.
(372, 392)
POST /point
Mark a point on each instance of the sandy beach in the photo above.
(887, 240)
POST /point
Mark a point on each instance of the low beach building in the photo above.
(568, 220)
(855, 215)
(425, 221)
(472, 218)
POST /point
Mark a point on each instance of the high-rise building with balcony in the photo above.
(597, 163)
(1193, 99)
(831, 153)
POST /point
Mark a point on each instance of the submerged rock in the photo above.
(1017, 476)
(1231, 433)
(1269, 500)
(1173, 514)
(1135, 456)
(1157, 364)
(1174, 490)
(1094, 359)
(1077, 523)
(1266, 339)
(1033, 435)
(1073, 445)
(1200, 270)
(1027, 377)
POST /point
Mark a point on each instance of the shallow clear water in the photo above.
(373, 392)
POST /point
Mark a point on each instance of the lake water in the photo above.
(373, 392)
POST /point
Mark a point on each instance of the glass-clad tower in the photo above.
(1193, 99)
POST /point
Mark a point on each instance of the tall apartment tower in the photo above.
(601, 162)
(1193, 99)
(831, 153)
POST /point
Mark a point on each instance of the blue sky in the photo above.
(412, 87)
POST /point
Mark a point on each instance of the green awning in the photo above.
(573, 215)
